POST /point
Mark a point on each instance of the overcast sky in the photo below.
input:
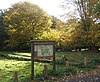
(52, 7)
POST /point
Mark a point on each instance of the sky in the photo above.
(52, 7)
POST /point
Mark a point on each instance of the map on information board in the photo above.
(44, 50)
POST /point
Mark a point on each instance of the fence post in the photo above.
(33, 81)
(67, 64)
(15, 76)
(63, 59)
(45, 70)
(85, 61)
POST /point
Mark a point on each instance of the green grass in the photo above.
(17, 61)
(7, 67)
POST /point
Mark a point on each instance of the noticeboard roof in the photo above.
(42, 41)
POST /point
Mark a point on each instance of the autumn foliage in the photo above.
(25, 21)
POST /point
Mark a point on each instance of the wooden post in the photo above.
(32, 81)
(54, 66)
(32, 61)
(45, 70)
(63, 59)
(67, 64)
(15, 76)
(85, 61)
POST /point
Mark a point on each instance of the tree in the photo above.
(69, 8)
(94, 37)
(89, 13)
(57, 24)
(73, 36)
(55, 32)
(25, 21)
(3, 35)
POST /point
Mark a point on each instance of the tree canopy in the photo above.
(3, 35)
(25, 21)
(85, 31)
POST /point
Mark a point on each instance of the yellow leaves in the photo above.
(14, 13)
(11, 42)
(53, 34)
(25, 21)
(94, 34)
(6, 18)
(11, 31)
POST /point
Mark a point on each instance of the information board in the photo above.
(43, 50)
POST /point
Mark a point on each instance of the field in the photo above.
(21, 62)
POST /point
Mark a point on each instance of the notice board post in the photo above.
(42, 49)
(32, 61)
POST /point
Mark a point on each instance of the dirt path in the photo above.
(88, 78)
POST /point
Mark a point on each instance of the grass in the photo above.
(18, 61)
(7, 67)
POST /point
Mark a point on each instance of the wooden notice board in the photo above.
(42, 49)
